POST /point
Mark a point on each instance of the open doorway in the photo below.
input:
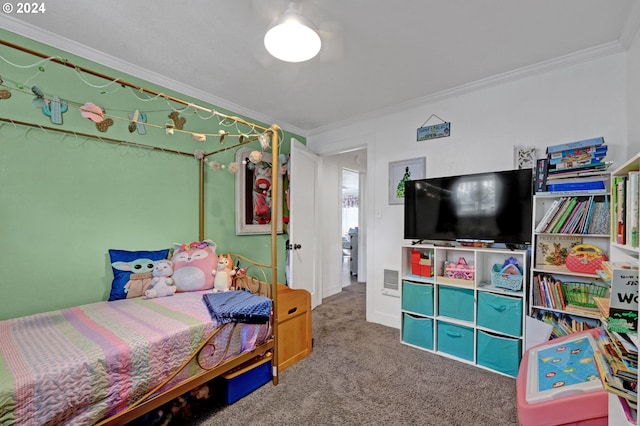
(350, 225)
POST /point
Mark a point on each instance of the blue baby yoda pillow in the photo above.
(132, 271)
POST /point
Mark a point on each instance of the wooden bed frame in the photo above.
(154, 399)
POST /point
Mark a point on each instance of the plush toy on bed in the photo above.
(223, 274)
(161, 284)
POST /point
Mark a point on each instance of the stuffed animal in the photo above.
(140, 278)
(161, 283)
(223, 274)
(192, 265)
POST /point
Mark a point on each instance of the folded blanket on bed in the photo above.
(238, 306)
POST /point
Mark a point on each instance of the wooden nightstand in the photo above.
(294, 326)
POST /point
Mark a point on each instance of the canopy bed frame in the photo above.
(165, 392)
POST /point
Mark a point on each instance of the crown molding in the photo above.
(631, 26)
(73, 47)
(571, 59)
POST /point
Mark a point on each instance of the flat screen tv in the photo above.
(494, 207)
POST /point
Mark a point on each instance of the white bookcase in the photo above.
(621, 252)
(546, 247)
(472, 321)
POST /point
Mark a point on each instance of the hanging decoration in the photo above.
(54, 108)
(4, 94)
(92, 112)
(177, 120)
(136, 121)
(434, 131)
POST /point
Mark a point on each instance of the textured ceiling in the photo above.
(376, 55)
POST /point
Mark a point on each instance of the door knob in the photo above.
(292, 247)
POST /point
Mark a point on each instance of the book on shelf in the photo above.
(552, 250)
(549, 214)
(578, 154)
(621, 366)
(633, 207)
(596, 171)
(541, 175)
(605, 358)
(623, 299)
(562, 208)
(600, 218)
(573, 184)
(563, 324)
(630, 410)
(565, 214)
(580, 214)
(619, 192)
(584, 162)
(598, 165)
(575, 145)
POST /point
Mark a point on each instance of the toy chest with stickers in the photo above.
(558, 384)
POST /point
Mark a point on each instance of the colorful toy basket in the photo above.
(509, 277)
(582, 294)
(460, 270)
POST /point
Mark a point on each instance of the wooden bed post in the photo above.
(201, 202)
(274, 246)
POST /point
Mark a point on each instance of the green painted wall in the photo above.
(66, 200)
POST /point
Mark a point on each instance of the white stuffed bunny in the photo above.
(161, 283)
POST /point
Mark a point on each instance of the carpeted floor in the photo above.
(360, 374)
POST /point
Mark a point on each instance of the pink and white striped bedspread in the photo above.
(79, 365)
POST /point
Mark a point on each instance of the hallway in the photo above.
(347, 277)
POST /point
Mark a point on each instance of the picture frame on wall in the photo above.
(401, 171)
(253, 194)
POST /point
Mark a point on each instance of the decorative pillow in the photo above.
(192, 265)
(132, 272)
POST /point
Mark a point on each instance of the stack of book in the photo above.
(617, 360)
(563, 324)
(573, 166)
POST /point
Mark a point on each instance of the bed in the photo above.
(100, 361)
(110, 362)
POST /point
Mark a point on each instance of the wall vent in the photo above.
(391, 283)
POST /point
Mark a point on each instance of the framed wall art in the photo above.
(253, 193)
(401, 171)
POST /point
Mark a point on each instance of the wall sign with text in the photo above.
(434, 131)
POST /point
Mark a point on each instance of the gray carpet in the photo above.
(360, 374)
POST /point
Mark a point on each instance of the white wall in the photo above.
(567, 104)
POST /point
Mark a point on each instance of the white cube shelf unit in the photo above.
(470, 320)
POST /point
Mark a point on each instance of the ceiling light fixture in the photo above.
(292, 37)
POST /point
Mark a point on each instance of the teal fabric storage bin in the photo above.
(455, 340)
(417, 331)
(417, 298)
(499, 353)
(500, 313)
(454, 302)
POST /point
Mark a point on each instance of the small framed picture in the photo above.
(524, 157)
(402, 171)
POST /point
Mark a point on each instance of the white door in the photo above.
(303, 244)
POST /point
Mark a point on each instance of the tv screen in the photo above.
(493, 206)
